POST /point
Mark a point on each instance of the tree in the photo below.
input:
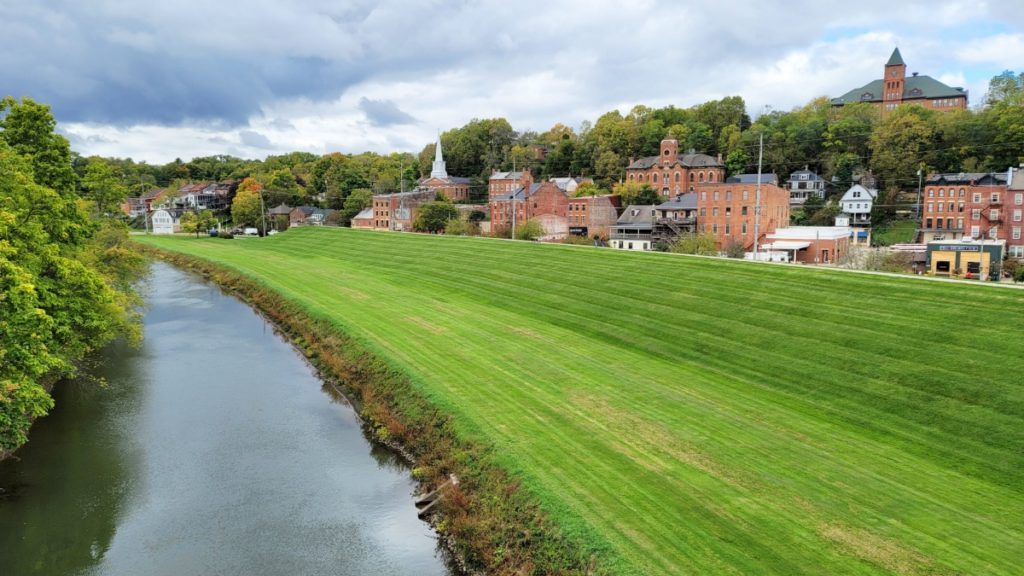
(103, 187)
(358, 200)
(246, 208)
(434, 216)
(28, 127)
(1006, 87)
(198, 223)
(529, 230)
(898, 143)
(457, 227)
(636, 193)
(695, 243)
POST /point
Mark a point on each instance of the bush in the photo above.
(879, 261)
(577, 240)
(735, 249)
(462, 228)
(225, 235)
(703, 244)
(531, 230)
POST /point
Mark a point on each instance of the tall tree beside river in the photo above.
(65, 279)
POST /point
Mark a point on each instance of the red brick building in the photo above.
(504, 183)
(545, 199)
(726, 210)
(593, 216)
(671, 173)
(974, 204)
(895, 88)
(397, 211)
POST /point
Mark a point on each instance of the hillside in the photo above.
(693, 415)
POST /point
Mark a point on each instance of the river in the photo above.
(212, 450)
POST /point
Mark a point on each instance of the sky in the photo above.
(156, 81)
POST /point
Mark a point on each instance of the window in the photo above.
(928, 223)
(976, 197)
(677, 176)
(728, 194)
(728, 211)
(1017, 215)
(993, 214)
(1016, 251)
(703, 212)
(995, 198)
(931, 207)
(975, 213)
(856, 193)
(746, 195)
(631, 177)
(961, 192)
(654, 178)
(1018, 198)
(701, 176)
(941, 206)
(942, 192)
(743, 228)
(975, 231)
(715, 194)
(714, 211)
(960, 207)
(960, 223)
(630, 245)
(728, 229)
(931, 192)
(711, 177)
(743, 211)
(691, 176)
(938, 223)
(1016, 232)
(704, 195)
(993, 232)
(714, 228)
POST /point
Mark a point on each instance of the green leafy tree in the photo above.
(635, 193)
(103, 187)
(434, 216)
(246, 208)
(897, 144)
(358, 200)
(697, 243)
(529, 230)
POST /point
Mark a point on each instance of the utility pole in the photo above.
(514, 201)
(145, 209)
(757, 196)
(263, 212)
(919, 196)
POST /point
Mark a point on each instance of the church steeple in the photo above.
(438, 171)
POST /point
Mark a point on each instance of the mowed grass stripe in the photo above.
(660, 431)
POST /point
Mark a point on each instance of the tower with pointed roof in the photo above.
(894, 79)
(438, 170)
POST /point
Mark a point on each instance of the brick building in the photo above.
(895, 88)
(976, 205)
(726, 210)
(397, 211)
(504, 183)
(545, 199)
(456, 188)
(671, 173)
(809, 244)
(593, 216)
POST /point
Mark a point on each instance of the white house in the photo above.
(165, 222)
(856, 205)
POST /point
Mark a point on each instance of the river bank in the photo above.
(212, 448)
(490, 524)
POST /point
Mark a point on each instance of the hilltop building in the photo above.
(456, 188)
(672, 173)
(804, 184)
(895, 88)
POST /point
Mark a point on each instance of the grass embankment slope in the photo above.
(694, 415)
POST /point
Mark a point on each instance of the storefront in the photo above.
(972, 260)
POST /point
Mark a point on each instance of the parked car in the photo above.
(251, 232)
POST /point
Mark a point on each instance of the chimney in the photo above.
(913, 74)
(719, 157)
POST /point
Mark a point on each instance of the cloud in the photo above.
(322, 75)
(254, 140)
(384, 112)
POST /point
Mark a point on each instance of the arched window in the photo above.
(654, 177)
(640, 177)
(711, 177)
(691, 177)
(701, 176)
(677, 176)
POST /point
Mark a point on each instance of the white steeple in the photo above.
(438, 171)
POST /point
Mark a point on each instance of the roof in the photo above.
(896, 59)
(847, 196)
(811, 176)
(810, 233)
(506, 176)
(152, 194)
(636, 215)
(364, 214)
(783, 245)
(410, 194)
(992, 178)
(689, 160)
(686, 201)
(914, 87)
(752, 179)
(281, 209)
(520, 195)
(1017, 182)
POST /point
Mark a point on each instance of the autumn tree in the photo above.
(247, 207)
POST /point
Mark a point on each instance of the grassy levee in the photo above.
(688, 415)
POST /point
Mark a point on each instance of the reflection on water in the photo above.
(213, 450)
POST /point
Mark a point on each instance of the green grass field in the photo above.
(699, 416)
(899, 232)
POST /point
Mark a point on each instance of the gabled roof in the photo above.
(989, 178)
(636, 215)
(752, 179)
(506, 176)
(914, 87)
(896, 59)
(153, 194)
(688, 160)
(686, 201)
(848, 195)
(811, 176)
(364, 214)
(281, 209)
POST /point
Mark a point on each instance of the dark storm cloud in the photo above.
(384, 113)
(254, 139)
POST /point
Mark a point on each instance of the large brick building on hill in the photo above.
(895, 88)
(671, 173)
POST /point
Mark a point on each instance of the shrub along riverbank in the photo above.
(682, 415)
(65, 277)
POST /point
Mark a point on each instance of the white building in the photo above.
(165, 222)
(856, 206)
